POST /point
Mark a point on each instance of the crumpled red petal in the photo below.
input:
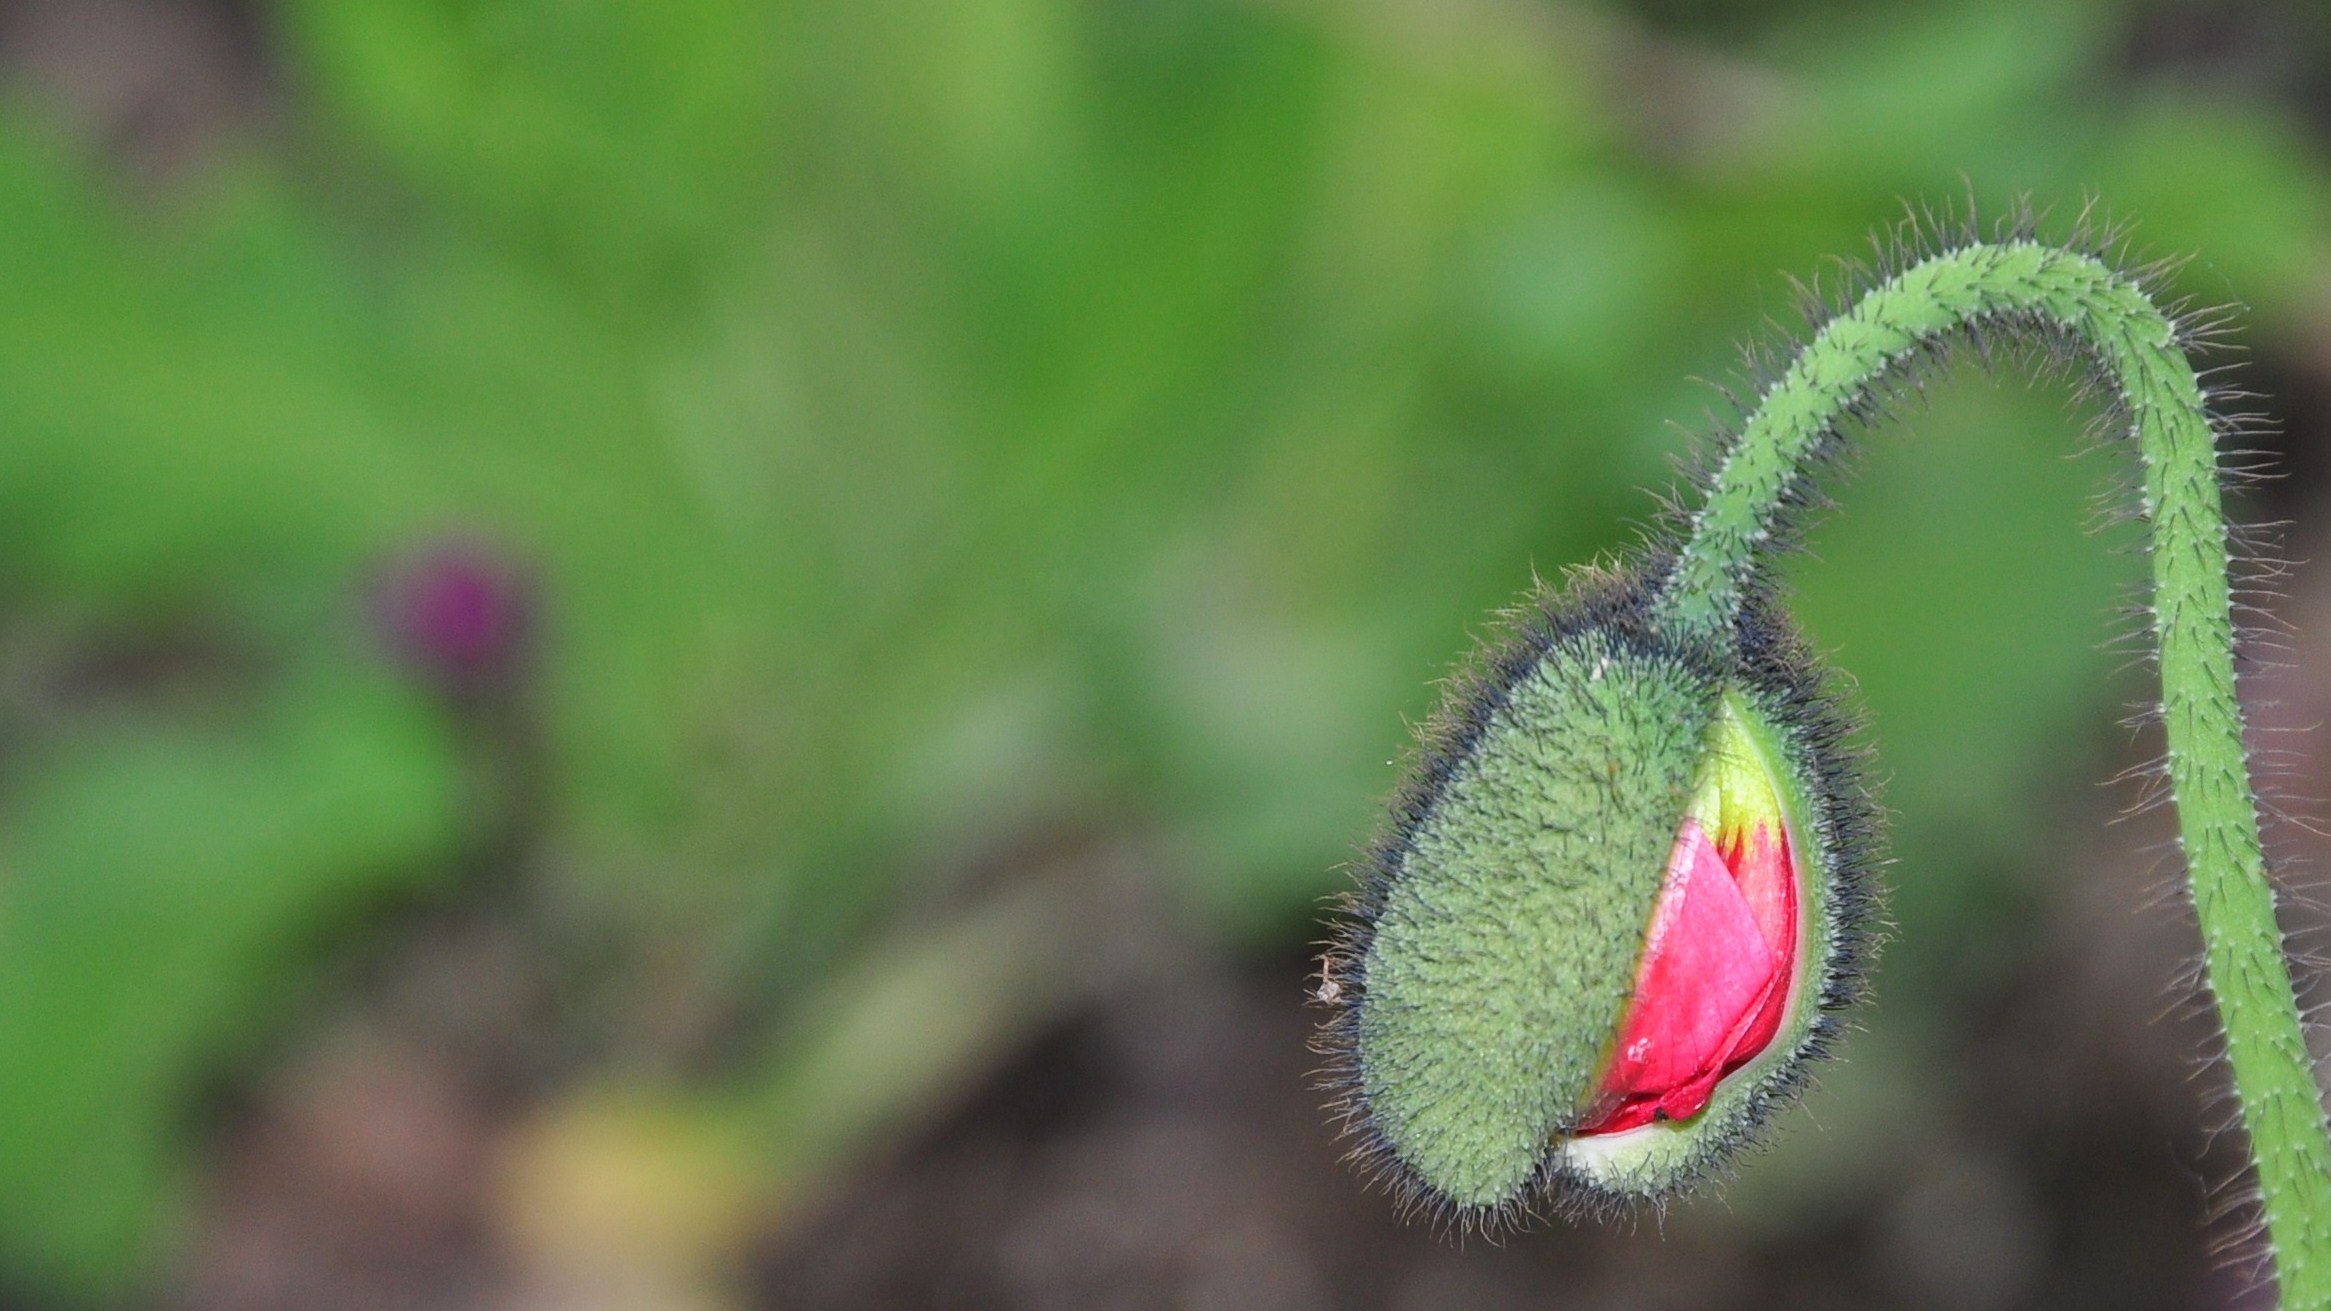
(1714, 980)
(1768, 883)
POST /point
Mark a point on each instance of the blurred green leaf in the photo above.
(157, 889)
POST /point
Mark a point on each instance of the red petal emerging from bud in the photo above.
(1714, 979)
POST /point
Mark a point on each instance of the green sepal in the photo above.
(1507, 948)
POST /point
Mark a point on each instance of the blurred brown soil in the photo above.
(153, 83)
(1168, 1153)
(1164, 1149)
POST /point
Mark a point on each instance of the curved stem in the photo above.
(2065, 296)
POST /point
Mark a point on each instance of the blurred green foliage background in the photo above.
(900, 432)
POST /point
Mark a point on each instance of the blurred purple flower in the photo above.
(462, 614)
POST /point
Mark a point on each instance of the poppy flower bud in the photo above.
(1620, 896)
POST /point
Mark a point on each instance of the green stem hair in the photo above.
(2077, 299)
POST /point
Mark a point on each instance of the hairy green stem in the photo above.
(2025, 287)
